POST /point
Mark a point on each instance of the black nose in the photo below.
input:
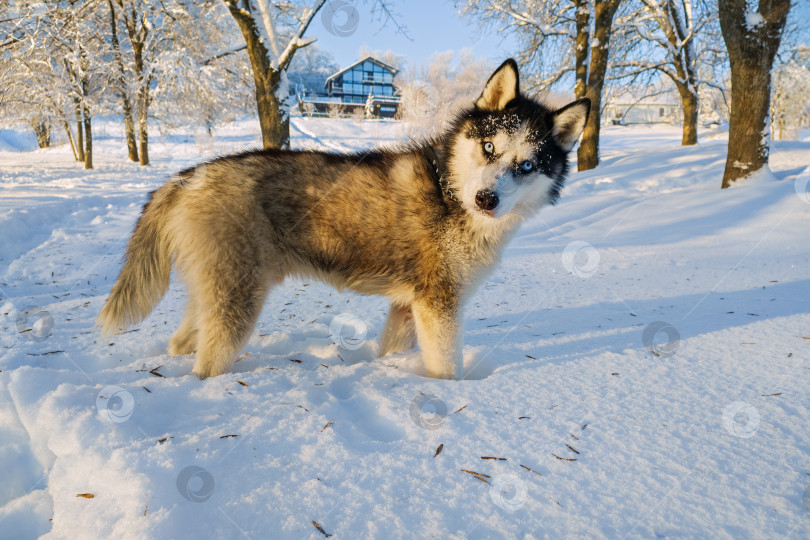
(486, 199)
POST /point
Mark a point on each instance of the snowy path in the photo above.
(602, 438)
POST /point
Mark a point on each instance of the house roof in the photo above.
(383, 65)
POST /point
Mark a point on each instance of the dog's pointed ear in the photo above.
(501, 89)
(569, 123)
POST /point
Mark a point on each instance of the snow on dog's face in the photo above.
(510, 153)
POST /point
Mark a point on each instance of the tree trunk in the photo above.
(689, 104)
(70, 139)
(588, 152)
(274, 121)
(143, 107)
(79, 133)
(88, 140)
(777, 121)
(129, 129)
(43, 130)
(675, 26)
(583, 26)
(143, 134)
(138, 31)
(751, 50)
(129, 124)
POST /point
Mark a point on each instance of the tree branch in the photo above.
(716, 87)
(223, 55)
(297, 41)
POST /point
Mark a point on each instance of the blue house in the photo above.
(366, 83)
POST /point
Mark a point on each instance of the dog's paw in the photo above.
(449, 375)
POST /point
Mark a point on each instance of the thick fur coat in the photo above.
(423, 232)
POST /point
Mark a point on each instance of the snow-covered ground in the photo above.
(639, 363)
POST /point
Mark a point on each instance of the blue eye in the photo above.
(527, 166)
(489, 148)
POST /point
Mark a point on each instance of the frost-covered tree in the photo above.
(790, 104)
(56, 50)
(168, 61)
(64, 61)
(201, 86)
(21, 100)
(202, 75)
(558, 38)
(368, 110)
(752, 34)
(673, 38)
(309, 70)
(120, 78)
(148, 25)
(273, 33)
(272, 38)
(431, 92)
(389, 57)
(143, 33)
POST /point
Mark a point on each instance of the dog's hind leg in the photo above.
(399, 333)
(229, 308)
(438, 328)
(184, 340)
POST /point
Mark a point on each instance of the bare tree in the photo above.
(335, 110)
(309, 68)
(197, 83)
(270, 53)
(790, 108)
(164, 38)
(72, 36)
(593, 78)
(386, 57)
(54, 78)
(752, 38)
(273, 32)
(674, 28)
(432, 92)
(142, 30)
(64, 61)
(123, 87)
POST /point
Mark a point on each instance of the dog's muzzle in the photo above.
(486, 199)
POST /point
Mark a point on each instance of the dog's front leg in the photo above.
(438, 329)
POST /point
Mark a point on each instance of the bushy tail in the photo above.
(148, 264)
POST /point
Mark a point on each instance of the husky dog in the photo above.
(422, 225)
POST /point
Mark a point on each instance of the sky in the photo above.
(433, 26)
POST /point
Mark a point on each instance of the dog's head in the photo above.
(509, 153)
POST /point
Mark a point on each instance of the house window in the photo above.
(661, 111)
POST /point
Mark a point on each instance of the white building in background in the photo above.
(643, 105)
